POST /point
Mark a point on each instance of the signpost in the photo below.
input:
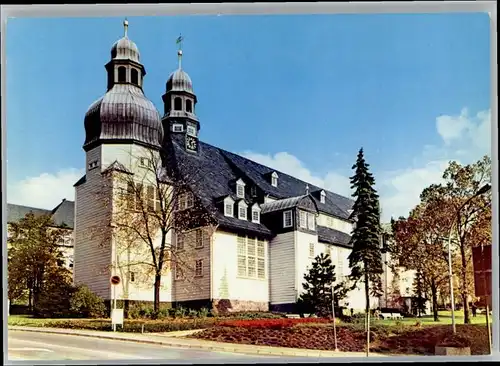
(334, 320)
(116, 314)
(481, 259)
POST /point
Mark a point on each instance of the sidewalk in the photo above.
(172, 340)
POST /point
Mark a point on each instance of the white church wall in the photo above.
(226, 284)
(282, 269)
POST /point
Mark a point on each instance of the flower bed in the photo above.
(270, 323)
(350, 338)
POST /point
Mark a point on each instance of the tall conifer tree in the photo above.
(365, 259)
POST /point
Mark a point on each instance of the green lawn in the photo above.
(444, 318)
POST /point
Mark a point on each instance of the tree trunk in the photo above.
(156, 307)
(464, 287)
(434, 301)
(367, 295)
(30, 300)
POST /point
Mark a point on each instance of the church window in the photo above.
(122, 74)
(191, 130)
(287, 219)
(274, 179)
(242, 211)
(178, 128)
(178, 104)
(303, 219)
(255, 216)
(189, 106)
(134, 76)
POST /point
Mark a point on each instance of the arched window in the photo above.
(122, 74)
(168, 105)
(134, 76)
(178, 104)
(189, 106)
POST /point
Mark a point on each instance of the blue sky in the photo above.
(302, 93)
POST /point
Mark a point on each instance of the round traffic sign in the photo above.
(115, 280)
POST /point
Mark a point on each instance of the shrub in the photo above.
(84, 303)
(179, 312)
(193, 313)
(203, 313)
(255, 315)
(270, 323)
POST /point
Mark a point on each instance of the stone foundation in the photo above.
(231, 306)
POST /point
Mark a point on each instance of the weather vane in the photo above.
(179, 52)
(125, 26)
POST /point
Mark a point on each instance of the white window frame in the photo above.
(177, 127)
(145, 162)
(311, 221)
(229, 203)
(198, 268)
(179, 273)
(252, 252)
(185, 201)
(242, 208)
(178, 236)
(285, 221)
(274, 179)
(255, 215)
(312, 250)
(191, 130)
(322, 197)
(340, 266)
(303, 219)
(240, 188)
(328, 251)
(93, 164)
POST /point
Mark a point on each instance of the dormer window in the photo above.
(186, 201)
(256, 213)
(322, 197)
(274, 179)
(229, 207)
(242, 210)
(240, 188)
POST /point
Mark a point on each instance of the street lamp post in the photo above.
(481, 191)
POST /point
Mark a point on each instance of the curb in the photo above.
(228, 347)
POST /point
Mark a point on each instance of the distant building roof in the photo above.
(62, 214)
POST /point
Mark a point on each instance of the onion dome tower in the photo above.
(179, 103)
(123, 115)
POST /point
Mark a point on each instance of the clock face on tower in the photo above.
(191, 143)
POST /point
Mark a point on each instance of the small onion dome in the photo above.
(123, 113)
(180, 81)
(125, 49)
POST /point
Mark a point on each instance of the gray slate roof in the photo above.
(281, 204)
(219, 168)
(62, 215)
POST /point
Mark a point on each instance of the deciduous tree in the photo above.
(34, 256)
(471, 214)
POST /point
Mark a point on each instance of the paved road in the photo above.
(43, 346)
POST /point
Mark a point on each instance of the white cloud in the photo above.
(465, 139)
(289, 164)
(44, 191)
